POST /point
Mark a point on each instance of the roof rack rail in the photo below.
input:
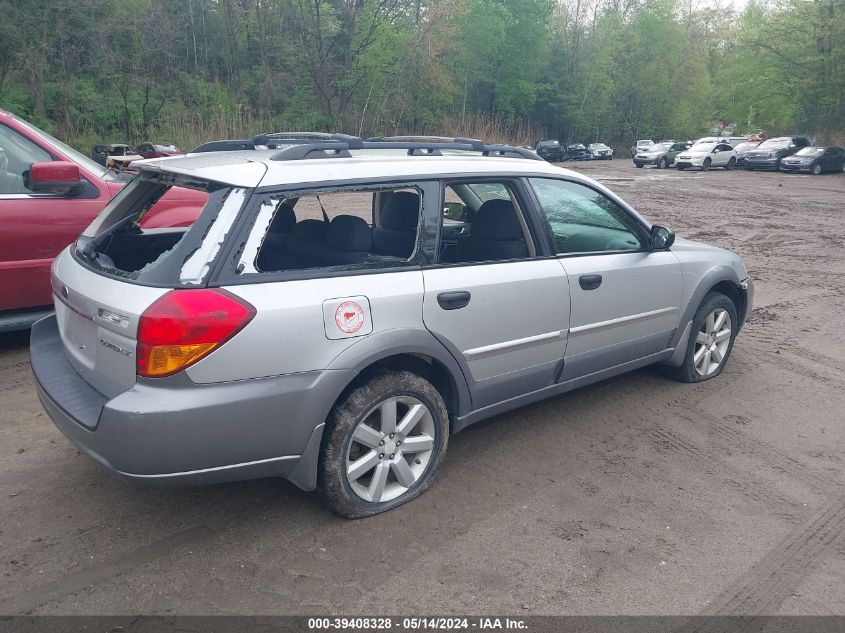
(324, 149)
(445, 142)
(303, 145)
(476, 144)
(231, 145)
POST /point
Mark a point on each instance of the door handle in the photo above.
(453, 300)
(589, 282)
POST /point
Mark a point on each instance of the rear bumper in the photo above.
(173, 431)
(798, 167)
(767, 164)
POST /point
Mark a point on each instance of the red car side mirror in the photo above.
(53, 176)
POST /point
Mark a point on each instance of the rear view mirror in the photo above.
(53, 176)
(453, 211)
(661, 238)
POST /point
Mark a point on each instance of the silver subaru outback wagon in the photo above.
(340, 307)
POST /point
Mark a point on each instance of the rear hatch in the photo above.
(117, 269)
(98, 318)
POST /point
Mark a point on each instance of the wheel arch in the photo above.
(413, 350)
(722, 279)
(418, 363)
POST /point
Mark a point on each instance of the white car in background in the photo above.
(600, 151)
(707, 155)
(641, 146)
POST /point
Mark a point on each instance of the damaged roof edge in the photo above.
(223, 168)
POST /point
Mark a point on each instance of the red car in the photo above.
(49, 193)
(157, 150)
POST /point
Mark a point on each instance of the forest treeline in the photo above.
(186, 71)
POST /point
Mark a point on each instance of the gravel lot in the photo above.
(638, 495)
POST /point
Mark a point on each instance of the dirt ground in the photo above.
(637, 495)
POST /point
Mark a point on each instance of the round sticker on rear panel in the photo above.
(349, 317)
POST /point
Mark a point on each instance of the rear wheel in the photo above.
(816, 169)
(382, 445)
(711, 340)
(706, 164)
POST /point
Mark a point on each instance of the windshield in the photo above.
(660, 147)
(81, 159)
(598, 146)
(810, 151)
(702, 147)
(775, 143)
(744, 147)
(548, 143)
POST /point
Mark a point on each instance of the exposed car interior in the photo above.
(308, 232)
(482, 222)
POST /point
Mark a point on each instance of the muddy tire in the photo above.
(711, 340)
(383, 443)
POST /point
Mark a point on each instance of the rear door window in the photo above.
(333, 230)
(483, 221)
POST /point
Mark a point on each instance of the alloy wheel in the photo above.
(817, 169)
(390, 449)
(712, 342)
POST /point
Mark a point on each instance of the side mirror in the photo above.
(453, 211)
(661, 238)
(53, 176)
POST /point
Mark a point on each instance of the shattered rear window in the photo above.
(161, 232)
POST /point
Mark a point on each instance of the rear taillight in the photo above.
(184, 326)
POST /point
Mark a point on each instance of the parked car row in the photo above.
(784, 153)
(119, 156)
(552, 151)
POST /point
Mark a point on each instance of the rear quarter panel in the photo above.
(290, 332)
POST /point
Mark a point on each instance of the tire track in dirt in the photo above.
(771, 580)
(729, 440)
(712, 459)
(30, 599)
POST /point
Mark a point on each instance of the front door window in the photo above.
(16, 155)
